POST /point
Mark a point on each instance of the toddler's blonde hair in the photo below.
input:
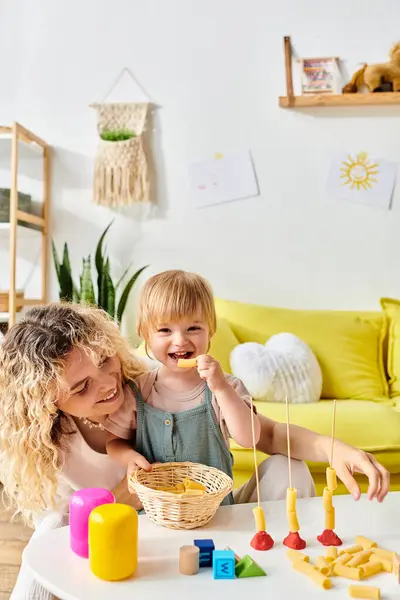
(34, 433)
(172, 295)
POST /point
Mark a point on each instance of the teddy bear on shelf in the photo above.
(384, 77)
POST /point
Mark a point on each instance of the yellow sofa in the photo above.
(359, 354)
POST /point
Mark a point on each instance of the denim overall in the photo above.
(193, 435)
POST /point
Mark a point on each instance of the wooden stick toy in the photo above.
(293, 539)
(328, 537)
(261, 540)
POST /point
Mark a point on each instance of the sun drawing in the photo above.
(359, 172)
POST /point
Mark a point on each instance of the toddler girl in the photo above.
(180, 414)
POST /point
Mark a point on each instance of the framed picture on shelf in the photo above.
(320, 75)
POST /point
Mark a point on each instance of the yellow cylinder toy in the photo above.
(331, 479)
(113, 541)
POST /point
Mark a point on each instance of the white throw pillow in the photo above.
(285, 366)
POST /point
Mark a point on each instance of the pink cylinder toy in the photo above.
(81, 505)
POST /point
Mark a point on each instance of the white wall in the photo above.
(216, 67)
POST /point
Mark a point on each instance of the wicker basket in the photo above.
(172, 511)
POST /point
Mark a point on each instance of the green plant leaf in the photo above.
(65, 284)
(110, 296)
(99, 260)
(122, 277)
(66, 258)
(56, 260)
(75, 297)
(124, 296)
(103, 290)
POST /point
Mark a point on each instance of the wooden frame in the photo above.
(19, 133)
(321, 100)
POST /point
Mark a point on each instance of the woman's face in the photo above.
(94, 391)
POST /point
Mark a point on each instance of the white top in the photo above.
(84, 467)
(157, 577)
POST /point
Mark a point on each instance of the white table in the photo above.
(157, 577)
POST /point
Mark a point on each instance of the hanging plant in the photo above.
(118, 135)
(107, 290)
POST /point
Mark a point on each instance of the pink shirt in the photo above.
(123, 422)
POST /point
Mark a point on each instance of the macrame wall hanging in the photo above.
(121, 175)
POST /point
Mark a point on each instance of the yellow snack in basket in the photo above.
(189, 484)
(192, 493)
(180, 487)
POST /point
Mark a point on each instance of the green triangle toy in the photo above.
(247, 567)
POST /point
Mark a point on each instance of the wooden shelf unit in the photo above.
(18, 218)
(324, 100)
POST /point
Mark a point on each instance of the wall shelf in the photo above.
(324, 100)
(378, 99)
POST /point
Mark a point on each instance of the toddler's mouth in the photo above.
(177, 355)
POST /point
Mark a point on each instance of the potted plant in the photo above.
(110, 296)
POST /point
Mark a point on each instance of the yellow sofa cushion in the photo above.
(392, 310)
(222, 344)
(348, 345)
(371, 426)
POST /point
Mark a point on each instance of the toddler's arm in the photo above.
(236, 412)
(122, 452)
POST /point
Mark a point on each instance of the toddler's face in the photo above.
(186, 338)
(94, 390)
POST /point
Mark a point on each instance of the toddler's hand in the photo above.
(210, 370)
(138, 462)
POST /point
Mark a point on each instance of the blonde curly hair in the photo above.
(33, 431)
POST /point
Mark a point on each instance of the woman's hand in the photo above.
(124, 496)
(348, 460)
